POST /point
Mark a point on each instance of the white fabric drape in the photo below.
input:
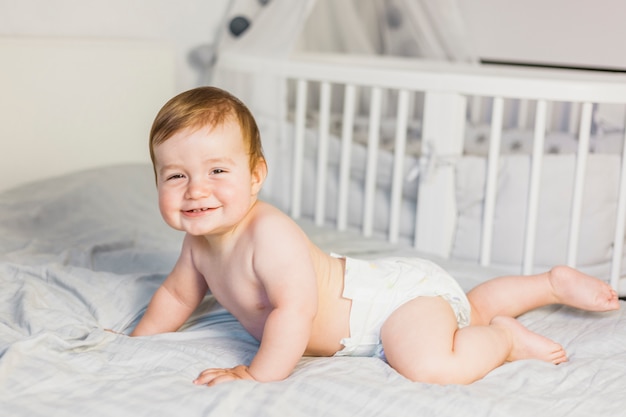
(432, 29)
(274, 26)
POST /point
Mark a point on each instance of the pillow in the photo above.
(554, 211)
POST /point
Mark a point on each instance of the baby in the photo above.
(297, 300)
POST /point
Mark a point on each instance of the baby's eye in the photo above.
(175, 177)
(217, 171)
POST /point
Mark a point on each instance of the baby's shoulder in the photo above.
(272, 223)
(269, 216)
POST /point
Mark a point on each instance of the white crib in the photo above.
(443, 100)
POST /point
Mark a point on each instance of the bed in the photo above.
(83, 248)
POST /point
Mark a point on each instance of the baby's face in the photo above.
(204, 180)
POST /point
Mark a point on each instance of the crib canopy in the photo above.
(433, 30)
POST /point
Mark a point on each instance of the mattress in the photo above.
(84, 252)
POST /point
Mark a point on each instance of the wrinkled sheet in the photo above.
(84, 252)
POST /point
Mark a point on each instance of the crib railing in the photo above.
(445, 91)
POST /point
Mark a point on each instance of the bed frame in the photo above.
(449, 92)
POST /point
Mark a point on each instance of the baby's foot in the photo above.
(576, 289)
(529, 345)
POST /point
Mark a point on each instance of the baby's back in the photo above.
(332, 322)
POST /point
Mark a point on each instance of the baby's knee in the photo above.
(561, 270)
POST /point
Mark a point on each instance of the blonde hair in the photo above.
(206, 107)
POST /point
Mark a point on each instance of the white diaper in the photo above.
(378, 287)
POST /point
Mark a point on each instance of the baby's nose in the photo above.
(197, 189)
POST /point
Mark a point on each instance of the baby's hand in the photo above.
(216, 376)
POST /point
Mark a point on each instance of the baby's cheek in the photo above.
(168, 211)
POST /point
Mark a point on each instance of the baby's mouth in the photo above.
(198, 210)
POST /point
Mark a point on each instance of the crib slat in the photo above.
(550, 115)
(398, 165)
(618, 242)
(522, 113)
(372, 160)
(492, 179)
(535, 182)
(574, 114)
(579, 183)
(322, 153)
(298, 155)
(476, 108)
(344, 166)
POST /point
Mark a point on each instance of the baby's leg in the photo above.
(422, 342)
(514, 295)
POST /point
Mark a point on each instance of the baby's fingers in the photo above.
(216, 376)
(211, 380)
(208, 375)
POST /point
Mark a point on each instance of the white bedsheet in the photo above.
(85, 252)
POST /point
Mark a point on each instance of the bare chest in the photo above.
(235, 286)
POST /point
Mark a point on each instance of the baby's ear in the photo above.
(259, 172)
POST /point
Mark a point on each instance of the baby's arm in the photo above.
(285, 337)
(292, 291)
(175, 300)
(284, 266)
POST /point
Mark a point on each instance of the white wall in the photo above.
(187, 24)
(565, 32)
(562, 32)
